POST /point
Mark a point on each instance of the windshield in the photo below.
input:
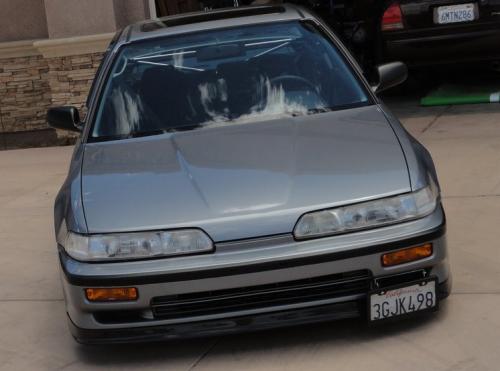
(224, 77)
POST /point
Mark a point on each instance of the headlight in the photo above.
(123, 246)
(368, 214)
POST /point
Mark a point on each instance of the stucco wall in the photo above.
(22, 20)
(67, 18)
(130, 11)
(40, 19)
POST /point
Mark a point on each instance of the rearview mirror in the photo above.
(64, 118)
(390, 75)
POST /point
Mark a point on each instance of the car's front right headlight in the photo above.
(369, 214)
(137, 245)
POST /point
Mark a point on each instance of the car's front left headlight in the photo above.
(141, 245)
(369, 214)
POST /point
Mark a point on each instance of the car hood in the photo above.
(242, 180)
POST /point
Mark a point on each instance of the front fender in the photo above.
(68, 207)
(418, 159)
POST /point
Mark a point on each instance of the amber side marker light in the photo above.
(407, 255)
(112, 294)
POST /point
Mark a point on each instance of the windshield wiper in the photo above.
(145, 133)
(309, 111)
(183, 128)
(312, 111)
(133, 134)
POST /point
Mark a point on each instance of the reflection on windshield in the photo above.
(224, 77)
(128, 110)
(276, 104)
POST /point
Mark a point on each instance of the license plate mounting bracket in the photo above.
(423, 281)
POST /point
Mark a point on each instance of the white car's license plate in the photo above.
(455, 13)
(401, 300)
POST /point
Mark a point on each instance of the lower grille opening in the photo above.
(122, 316)
(397, 279)
(261, 296)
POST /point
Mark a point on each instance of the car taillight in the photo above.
(392, 18)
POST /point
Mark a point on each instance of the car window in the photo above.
(224, 77)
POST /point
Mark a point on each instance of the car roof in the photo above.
(212, 19)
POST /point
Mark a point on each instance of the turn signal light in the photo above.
(112, 294)
(392, 18)
(407, 255)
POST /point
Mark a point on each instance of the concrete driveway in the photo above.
(464, 335)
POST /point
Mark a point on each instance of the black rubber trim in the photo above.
(96, 281)
(294, 317)
(262, 321)
(416, 37)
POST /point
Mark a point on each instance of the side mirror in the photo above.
(390, 75)
(64, 118)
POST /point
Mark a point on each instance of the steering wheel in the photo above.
(291, 79)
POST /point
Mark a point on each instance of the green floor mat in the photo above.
(458, 94)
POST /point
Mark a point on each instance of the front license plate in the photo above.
(403, 300)
(455, 13)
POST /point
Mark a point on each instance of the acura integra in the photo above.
(235, 171)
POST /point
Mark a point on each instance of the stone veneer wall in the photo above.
(35, 77)
(24, 93)
(70, 78)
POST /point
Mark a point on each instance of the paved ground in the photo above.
(465, 335)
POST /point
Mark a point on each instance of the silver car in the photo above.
(235, 171)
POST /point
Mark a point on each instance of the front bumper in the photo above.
(258, 263)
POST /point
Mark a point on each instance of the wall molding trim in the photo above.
(73, 45)
(17, 49)
(51, 48)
